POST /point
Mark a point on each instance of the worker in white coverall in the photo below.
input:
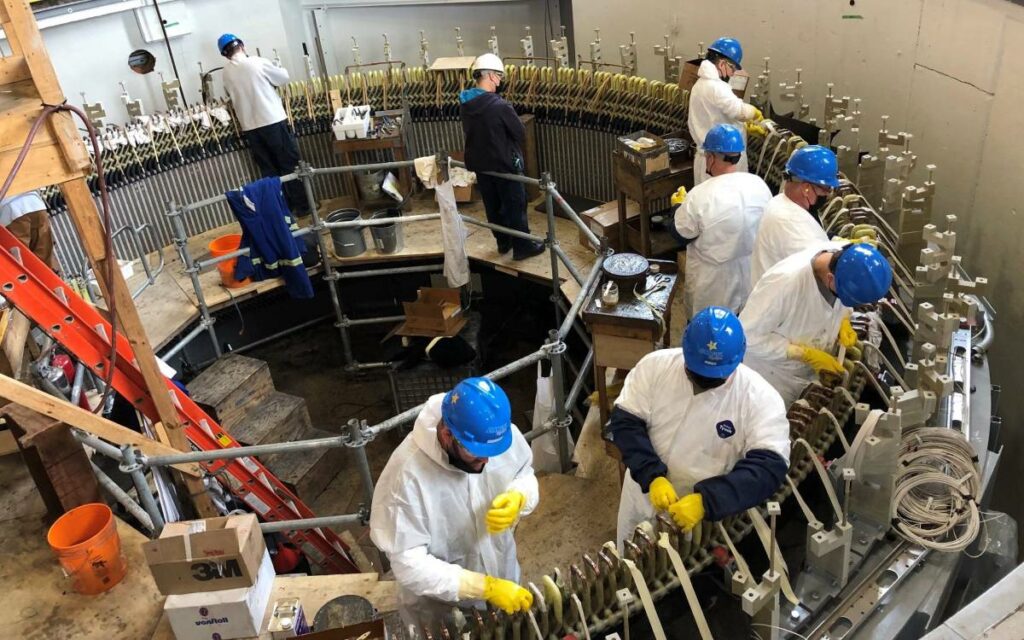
(719, 219)
(695, 422)
(713, 102)
(252, 84)
(801, 306)
(790, 222)
(445, 505)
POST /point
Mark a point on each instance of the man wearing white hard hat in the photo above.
(495, 137)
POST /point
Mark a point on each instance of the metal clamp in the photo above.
(555, 348)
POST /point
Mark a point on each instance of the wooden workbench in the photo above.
(630, 183)
(169, 306)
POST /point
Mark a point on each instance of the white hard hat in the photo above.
(488, 62)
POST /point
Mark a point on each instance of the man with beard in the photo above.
(446, 503)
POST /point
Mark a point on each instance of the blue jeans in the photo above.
(505, 204)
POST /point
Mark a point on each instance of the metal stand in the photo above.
(761, 602)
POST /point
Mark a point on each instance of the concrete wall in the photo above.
(949, 71)
(92, 55)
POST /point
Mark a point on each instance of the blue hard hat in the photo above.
(480, 417)
(730, 48)
(814, 164)
(724, 138)
(863, 275)
(714, 343)
(225, 40)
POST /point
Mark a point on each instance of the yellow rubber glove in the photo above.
(814, 358)
(504, 594)
(758, 116)
(866, 240)
(688, 511)
(678, 197)
(754, 129)
(504, 511)
(847, 336)
(662, 493)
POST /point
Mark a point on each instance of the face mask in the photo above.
(817, 205)
(456, 460)
(500, 89)
(703, 383)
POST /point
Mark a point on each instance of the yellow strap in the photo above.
(764, 533)
(646, 600)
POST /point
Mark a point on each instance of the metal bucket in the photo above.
(369, 184)
(348, 241)
(387, 238)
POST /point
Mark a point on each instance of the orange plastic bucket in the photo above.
(224, 245)
(86, 543)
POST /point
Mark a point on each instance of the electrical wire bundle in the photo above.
(937, 490)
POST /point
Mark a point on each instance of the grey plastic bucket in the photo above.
(387, 237)
(369, 184)
(348, 241)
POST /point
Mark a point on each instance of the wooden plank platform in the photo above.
(169, 306)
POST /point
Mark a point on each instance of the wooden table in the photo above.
(629, 331)
(629, 183)
(345, 149)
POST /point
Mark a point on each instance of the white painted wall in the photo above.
(91, 56)
(949, 71)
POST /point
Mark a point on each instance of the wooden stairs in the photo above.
(239, 392)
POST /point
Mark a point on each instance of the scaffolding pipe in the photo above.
(192, 335)
(125, 500)
(283, 332)
(181, 239)
(536, 433)
(591, 236)
(203, 264)
(220, 198)
(131, 466)
(573, 271)
(382, 221)
(561, 417)
(369, 273)
(581, 299)
(339, 313)
(552, 243)
(397, 164)
(100, 446)
(353, 322)
(497, 227)
(358, 444)
(577, 385)
(311, 523)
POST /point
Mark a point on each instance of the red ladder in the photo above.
(30, 286)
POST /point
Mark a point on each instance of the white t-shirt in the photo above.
(252, 84)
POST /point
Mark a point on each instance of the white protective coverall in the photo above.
(788, 305)
(429, 517)
(687, 430)
(722, 214)
(786, 228)
(713, 102)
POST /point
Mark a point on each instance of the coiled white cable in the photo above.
(935, 502)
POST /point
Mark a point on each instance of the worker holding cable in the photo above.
(790, 222)
(251, 83)
(802, 305)
(446, 503)
(702, 435)
(713, 102)
(718, 220)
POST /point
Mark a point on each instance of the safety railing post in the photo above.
(181, 241)
(305, 173)
(356, 438)
(131, 466)
(562, 420)
(546, 185)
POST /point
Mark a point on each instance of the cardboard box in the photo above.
(206, 555)
(374, 628)
(603, 220)
(435, 312)
(652, 161)
(231, 613)
(688, 78)
(464, 194)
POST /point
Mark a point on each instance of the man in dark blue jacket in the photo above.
(494, 141)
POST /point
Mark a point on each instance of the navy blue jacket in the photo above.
(267, 232)
(495, 135)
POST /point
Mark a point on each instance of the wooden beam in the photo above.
(86, 218)
(13, 69)
(41, 402)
